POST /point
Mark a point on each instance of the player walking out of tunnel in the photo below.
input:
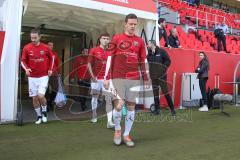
(38, 62)
(128, 55)
(97, 69)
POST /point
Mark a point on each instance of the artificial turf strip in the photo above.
(209, 136)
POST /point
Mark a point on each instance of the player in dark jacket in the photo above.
(159, 62)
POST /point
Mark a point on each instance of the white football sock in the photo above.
(44, 108)
(94, 103)
(109, 116)
(117, 116)
(38, 111)
(129, 119)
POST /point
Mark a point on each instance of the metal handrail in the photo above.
(206, 18)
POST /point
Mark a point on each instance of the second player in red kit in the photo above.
(98, 62)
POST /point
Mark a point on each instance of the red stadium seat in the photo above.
(212, 13)
(233, 42)
(207, 40)
(200, 32)
(204, 38)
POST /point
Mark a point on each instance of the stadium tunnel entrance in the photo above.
(71, 26)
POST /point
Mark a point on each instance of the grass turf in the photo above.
(208, 136)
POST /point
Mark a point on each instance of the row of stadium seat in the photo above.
(205, 14)
(203, 40)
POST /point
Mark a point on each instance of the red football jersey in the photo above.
(98, 59)
(128, 57)
(80, 67)
(39, 59)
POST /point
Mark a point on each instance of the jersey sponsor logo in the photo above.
(37, 60)
(124, 45)
(135, 43)
(132, 54)
(99, 54)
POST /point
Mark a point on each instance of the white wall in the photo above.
(1, 15)
(12, 16)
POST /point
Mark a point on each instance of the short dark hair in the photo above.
(34, 31)
(82, 49)
(153, 42)
(130, 16)
(202, 52)
(104, 35)
(161, 20)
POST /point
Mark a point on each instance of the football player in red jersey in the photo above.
(80, 66)
(97, 69)
(38, 62)
(53, 79)
(128, 55)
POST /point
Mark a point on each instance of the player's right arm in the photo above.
(112, 50)
(142, 58)
(108, 64)
(24, 62)
(52, 61)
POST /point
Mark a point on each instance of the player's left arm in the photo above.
(52, 61)
(142, 59)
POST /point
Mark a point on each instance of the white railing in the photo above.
(206, 18)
